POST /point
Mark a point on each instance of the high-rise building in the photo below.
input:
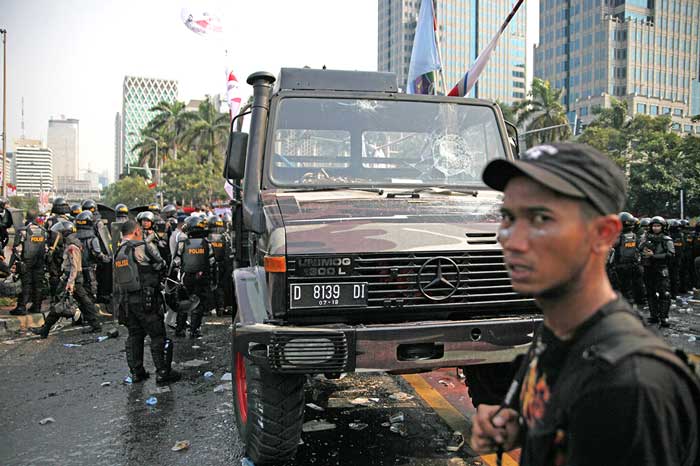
(644, 52)
(465, 28)
(139, 96)
(33, 164)
(63, 141)
(118, 155)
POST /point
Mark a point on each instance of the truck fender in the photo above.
(252, 296)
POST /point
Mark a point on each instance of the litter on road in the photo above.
(151, 401)
(457, 441)
(105, 384)
(314, 407)
(208, 374)
(181, 445)
(360, 401)
(71, 345)
(222, 387)
(357, 425)
(194, 363)
(128, 380)
(159, 390)
(317, 425)
(47, 420)
(226, 377)
(401, 396)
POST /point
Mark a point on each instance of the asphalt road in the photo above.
(100, 420)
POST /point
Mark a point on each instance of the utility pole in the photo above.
(4, 111)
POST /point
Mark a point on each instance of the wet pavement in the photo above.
(98, 419)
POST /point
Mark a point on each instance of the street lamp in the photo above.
(4, 111)
(155, 142)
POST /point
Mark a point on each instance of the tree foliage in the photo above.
(541, 110)
(132, 190)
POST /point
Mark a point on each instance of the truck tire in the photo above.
(269, 411)
(488, 383)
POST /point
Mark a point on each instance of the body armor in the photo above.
(34, 245)
(218, 244)
(627, 250)
(195, 255)
(127, 278)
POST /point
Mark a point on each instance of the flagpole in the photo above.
(437, 41)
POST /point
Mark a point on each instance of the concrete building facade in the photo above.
(118, 154)
(465, 28)
(63, 140)
(644, 52)
(33, 167)
(139, 96)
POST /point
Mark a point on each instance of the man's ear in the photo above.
(605, 230)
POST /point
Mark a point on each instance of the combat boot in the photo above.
(167, 376)
(140, 376)
(41, 331)
(18, 311)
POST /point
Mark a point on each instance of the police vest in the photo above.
(195, 255)
(127, 278)
(628, 248)
(34, 246)
(218, 244)
(696, 244)
(678, 241)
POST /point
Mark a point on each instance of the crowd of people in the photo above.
(144, 264)
(654, 262)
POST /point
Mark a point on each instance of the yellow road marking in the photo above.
(451, 416)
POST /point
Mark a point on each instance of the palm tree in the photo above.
(616, 116)
(173, 119)
(209, 129)
(543, 109)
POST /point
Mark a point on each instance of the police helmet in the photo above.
(169, 211)
(195, 226)
(153, 207)
(85, 220)
(64, 228)
(145, 215)
(674, 224)
(657, 220)
(89, 204)
(226, 218)
(75, 209)
(645, 222)
(684, 223)
(121, 210)
(59, 206)
(215, 222)
(627, 219)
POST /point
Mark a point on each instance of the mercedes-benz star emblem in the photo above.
(439, 288)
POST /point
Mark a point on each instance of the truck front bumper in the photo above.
(401, 347)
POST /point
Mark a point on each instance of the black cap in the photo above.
(574, 170)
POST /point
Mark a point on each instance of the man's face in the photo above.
(544, 237)
(138, 233)
(656, 228)
(147, 224)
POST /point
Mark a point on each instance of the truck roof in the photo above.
(336, 80)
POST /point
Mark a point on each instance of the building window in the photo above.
(583, 111)
(678, 111)
(653, 110)
(519, 95)
(667, 110)
(641, 108)
(676, 126)
(688, 128)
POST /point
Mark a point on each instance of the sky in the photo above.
(69, 57)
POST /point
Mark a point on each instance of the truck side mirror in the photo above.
(513, 139)
(234, 168)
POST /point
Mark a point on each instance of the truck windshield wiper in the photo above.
(334, 188)
(444, 190)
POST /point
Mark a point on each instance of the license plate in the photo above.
(306, 295)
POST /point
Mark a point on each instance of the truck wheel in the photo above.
(488, 383)
(269, 411)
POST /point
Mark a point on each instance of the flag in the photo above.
(152, 185)
(11, 190)
(464, 86)
(201, 22)
(233, 95)
(425, 56)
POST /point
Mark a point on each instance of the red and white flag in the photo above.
(11, 190)
(233, 93)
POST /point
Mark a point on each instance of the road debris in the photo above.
(317, 425)
(105, 384)
(446, 383)
(246, 462)
(357, 425)
(194, 363)
(226, 377)
(196, 347)
(208, 374)
(398, 417)
(223, 387)
(152, 401)
(224, 408)
(47, 420)
(181, 445)
(314, 407)
(362, 401)
(128, 380)
(159, 390)
(400, 429)
(401, 396)
(457, 441)
(71, 345)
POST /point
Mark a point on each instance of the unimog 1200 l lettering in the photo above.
(365, 241)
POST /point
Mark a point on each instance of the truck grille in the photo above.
(299, 352)
(393, 280)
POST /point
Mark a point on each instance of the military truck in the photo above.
(364, 241)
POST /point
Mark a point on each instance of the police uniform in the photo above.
(626, 264)
(220, 244)
(92, 252)
(5, 224)
(29, 252)
(54, 260)
(676, 262)
(137, 267)
(72, 275)
(194, 259)
(695, 256)
(656, 275)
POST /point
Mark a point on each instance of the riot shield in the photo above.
(107, 213)
(134, 211)
(104, 236)
(17, 216)
(116, 232)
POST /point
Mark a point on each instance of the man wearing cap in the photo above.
(595, 388)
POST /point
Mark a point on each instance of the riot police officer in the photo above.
(146, 219)
(220, 243)
(627, 258)
(29, 255)
(137, 267)
(675, 263)
(695, 255)
(643, 227)
(122, 213)
(89, 204)
(657, 249)
(160, 238)
(5, 224)
(687, 259)
(195, 262)
(75, 210)
(61, 211)
(169, 214)
(154, 209)
(71, 282)
(92, 252)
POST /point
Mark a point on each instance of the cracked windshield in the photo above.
(382, 142)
